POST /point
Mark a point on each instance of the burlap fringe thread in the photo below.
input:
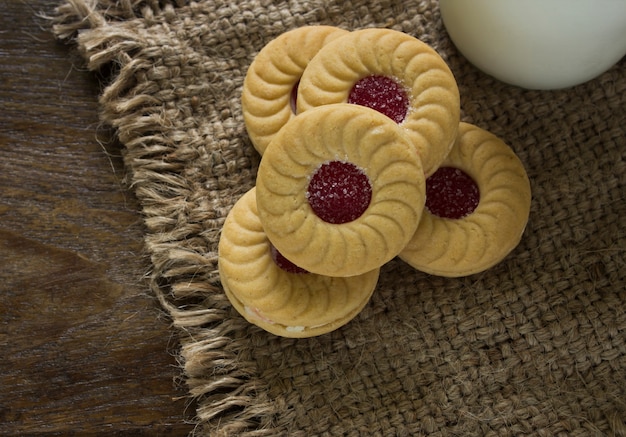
(184, 207)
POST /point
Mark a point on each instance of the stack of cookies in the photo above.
(364, 159)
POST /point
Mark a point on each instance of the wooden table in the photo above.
(85, 347)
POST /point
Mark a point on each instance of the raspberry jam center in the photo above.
(339, 192)
(451, 193)
(284, 263)
(383, 94)
(293, 97)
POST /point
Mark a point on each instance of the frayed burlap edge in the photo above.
(234, 399)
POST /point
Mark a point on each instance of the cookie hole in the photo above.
(339, 192)
(293, 98)
(382, 93)
(284, 263)
(451, 193)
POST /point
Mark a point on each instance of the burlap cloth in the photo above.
(534, 346)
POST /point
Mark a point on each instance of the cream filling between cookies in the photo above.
(256, 314)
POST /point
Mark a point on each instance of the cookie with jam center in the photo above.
(477, 207)
(270, 86)
(340, 190)
(394, 73)
(275, 294)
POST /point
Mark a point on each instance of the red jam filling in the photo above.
(383, 94)
(284, 263)
(339, 192)
(451, 193)
(293, 97)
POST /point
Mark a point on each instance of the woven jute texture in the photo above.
(534, 346)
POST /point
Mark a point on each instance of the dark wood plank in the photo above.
(85, 347)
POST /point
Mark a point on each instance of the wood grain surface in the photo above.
(85, 347)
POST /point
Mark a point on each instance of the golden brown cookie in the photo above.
(269, 88)
(276, 295)
(394, 73)
(477, 207)
(340, 190)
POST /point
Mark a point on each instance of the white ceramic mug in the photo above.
(538, 44)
